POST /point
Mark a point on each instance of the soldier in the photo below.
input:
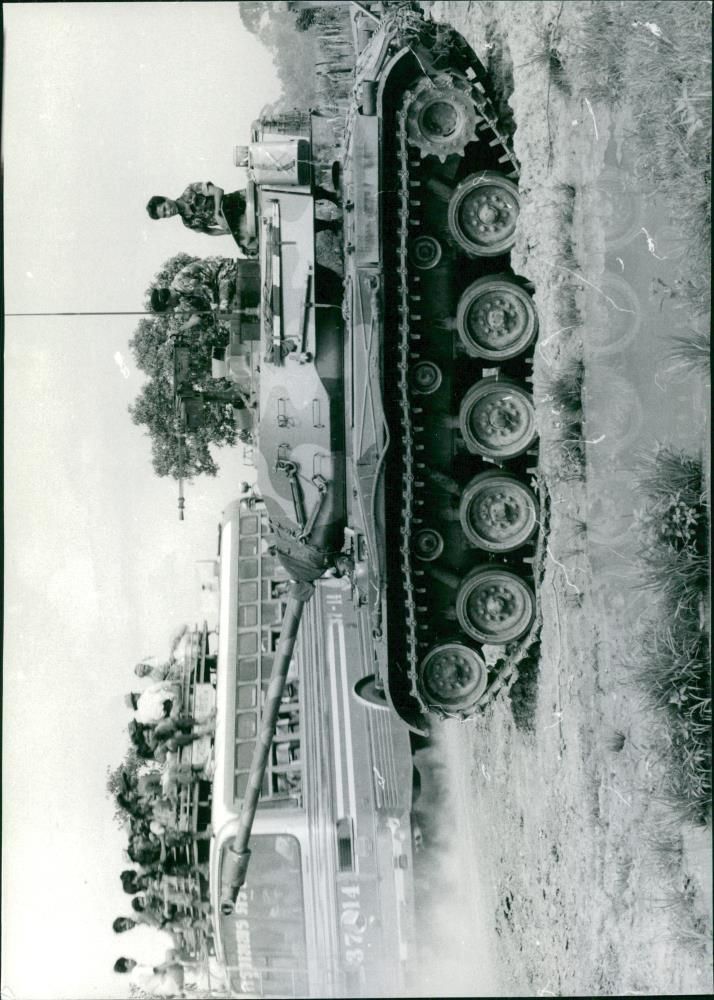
(207, 209)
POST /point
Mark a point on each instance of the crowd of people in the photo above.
(167, 885)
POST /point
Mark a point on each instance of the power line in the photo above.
(149, 315)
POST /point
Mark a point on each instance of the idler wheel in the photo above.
(428, 544)
(496, 318)
(498, 512)
(483, 211)
(441, 118)
(493, 605)
(425, 377)
(497, 418)
(425, 252)
(452, 676)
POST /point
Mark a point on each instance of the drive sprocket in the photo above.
(441, 118)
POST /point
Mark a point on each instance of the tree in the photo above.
(155, 407)
(251, 13)
(196, 460)
(149, 346)
(168, 271)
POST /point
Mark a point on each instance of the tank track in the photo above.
(408, 172)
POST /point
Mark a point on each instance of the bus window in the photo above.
(264, 940)
(248, 643)
(247, 670)
(270, 564)
(248, 547)
(247, 593)
(271, 638)
(246, 696)
(241, 784)
(248, 569)
(247, 615)
(249, 525)
(272, 612)
(246, 728)
(244, 755)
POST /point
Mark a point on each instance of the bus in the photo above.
(327, 908)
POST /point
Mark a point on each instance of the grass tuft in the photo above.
(615, 743)
(565, 451)
(547, 51)
(567, 314)
(672, 670)
(564, 389)
(691, 355)
(676, 893)
(523, 693)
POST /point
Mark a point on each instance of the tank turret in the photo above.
(301, 456)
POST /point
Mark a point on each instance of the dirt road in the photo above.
(569, 883)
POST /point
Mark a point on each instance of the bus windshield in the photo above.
(264, 939)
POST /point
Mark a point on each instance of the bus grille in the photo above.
(384, 769)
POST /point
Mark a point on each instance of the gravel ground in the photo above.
(553, 851)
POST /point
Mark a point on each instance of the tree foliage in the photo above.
(251, 12)
(122, 780)
(154, 408)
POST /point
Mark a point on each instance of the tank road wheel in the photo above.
(497, 418)
(452, 677)
(498, 512)
(425, 377)
(371, 696)
(441, 118)
(482, 214)
(496, 319)
(493, 605)
(425, 252)
(427, 544)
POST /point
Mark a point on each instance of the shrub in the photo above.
(673, 664)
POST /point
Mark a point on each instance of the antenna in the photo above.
(181, 438)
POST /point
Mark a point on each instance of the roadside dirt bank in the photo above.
(583, 889)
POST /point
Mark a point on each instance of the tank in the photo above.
(395, 428)
(395, 432)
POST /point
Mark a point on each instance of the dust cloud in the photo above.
(454, 905)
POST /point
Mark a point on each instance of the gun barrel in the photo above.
(235, 863)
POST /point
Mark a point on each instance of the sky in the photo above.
(104, 104)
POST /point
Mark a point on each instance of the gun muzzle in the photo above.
(235, 868)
